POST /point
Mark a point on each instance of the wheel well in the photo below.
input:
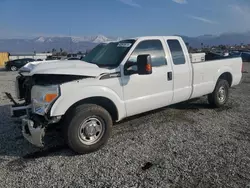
(101, 101)
(228, 77)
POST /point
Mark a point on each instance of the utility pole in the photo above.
(70, 43)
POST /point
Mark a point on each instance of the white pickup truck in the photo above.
(116, 81)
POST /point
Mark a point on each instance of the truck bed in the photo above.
(204, 77)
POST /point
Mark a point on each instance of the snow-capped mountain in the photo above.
(94, 39)
(45, 43)
(75, 44)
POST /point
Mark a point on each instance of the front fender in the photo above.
(70, 94)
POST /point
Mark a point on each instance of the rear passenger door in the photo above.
(182, 70)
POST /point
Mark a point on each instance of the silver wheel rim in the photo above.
(91, 130)
(222, 94)
(13, 68)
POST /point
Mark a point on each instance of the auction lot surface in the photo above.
(186, 145)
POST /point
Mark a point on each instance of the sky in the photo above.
(122, 18)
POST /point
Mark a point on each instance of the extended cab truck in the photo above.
(120, 80)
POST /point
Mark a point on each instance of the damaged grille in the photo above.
(25, 83)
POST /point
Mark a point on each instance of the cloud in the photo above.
(240, 16)
(205, 20)
(180, 1)
(239, 10)
(131, 3)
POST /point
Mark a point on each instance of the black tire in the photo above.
(73, 131)
(216, 98)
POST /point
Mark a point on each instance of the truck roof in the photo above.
(149, 37)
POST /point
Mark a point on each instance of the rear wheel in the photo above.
(13, 68)
(87, 128)
(220, 95)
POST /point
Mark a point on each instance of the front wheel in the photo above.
(87, 128)
(220, 95)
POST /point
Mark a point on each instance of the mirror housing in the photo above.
(144, 64)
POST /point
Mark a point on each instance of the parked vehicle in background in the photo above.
(52, 58)
(116, 81)
(14, 65)
(29, 66)
(245, 55)
(72, 55)
(214, 56)
(73, 58)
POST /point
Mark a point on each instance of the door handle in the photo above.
(170, 76)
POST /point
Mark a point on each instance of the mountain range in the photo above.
(75, 44)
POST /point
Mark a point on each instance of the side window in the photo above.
(152, 47)
(30, 60)
(23, 61)
(176, 52)
(18, 61)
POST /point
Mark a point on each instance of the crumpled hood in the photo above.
(30, 66)
(66, 67)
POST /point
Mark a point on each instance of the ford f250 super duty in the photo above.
(118, 80)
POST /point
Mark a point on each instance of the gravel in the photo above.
(185, 145)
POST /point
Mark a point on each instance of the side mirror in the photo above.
(144, 64)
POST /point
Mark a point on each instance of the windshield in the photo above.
(109, 55)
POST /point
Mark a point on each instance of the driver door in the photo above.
(148, 92)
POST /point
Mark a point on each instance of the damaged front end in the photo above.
(33, 131)
(34, 110)
(34, 127)
(23, 86)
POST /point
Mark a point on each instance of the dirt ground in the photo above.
(185, 145)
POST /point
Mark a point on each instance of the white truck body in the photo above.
(133, 94)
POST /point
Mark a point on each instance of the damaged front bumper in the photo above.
(33, 125)
(19, 110)
(32, 132)
(34, 128)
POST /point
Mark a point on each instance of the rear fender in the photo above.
(220, 72)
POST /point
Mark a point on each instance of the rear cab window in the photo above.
(176, 52)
